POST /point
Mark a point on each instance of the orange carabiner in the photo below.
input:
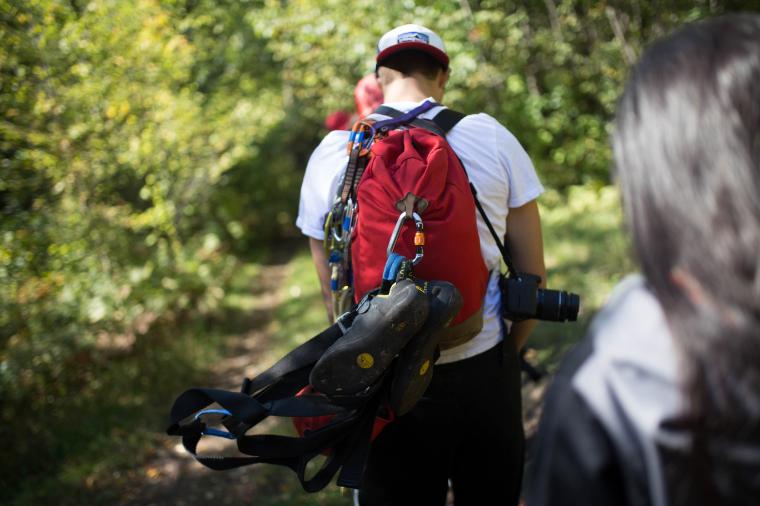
(358, 132)
(419, 236)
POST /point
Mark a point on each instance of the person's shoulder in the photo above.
(634, 357)
(335, 139)
(486, 124)
(630, 316)
(481, 118)
(629, 302)
(332, 147)
(632, 312)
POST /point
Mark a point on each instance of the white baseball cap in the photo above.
(415, 37)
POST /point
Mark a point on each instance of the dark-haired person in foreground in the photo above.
(468, 426)
(661, 404)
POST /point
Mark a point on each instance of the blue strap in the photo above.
(392, 266)
(387, 124)
(210, 431)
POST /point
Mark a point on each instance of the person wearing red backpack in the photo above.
(467, 429)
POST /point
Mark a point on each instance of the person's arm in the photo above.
(317, 192)
(526, 249)
(323, 273)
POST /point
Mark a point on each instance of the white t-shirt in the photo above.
(496, 164)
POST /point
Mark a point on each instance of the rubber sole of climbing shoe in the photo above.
(414, 366)
(359, 358)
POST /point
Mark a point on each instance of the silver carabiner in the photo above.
(397, 229)
(343, 221)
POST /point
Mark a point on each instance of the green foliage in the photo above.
(586, 252)
(551, 71)
(111, 154)
(148, 148)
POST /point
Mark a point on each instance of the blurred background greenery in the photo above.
(151, 157)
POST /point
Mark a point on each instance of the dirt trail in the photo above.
(173, 477)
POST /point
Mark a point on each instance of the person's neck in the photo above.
(408, 89)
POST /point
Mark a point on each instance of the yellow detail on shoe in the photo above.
(425, 367)
(399, 326)
(365, 360)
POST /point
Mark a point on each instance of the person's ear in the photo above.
(381, 74)
(443, 77)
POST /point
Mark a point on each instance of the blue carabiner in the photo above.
(209, 431)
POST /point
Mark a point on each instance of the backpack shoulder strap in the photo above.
(387, 111)
(427, 124)
(447, 119)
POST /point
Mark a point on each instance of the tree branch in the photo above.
(629, 54)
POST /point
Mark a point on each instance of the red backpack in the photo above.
(414, 185)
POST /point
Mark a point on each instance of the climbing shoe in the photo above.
(383, 326)
(414, 367)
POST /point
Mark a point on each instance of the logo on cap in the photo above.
(413, 37)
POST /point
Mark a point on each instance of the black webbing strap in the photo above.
(448, 118)
(499, 243)
(305, 355)
(358, 446)
(264, 395)
(363, 160)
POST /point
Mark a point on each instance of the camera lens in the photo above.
(557, 305)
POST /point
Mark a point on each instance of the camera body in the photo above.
(522, 299)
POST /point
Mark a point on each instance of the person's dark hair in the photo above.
(411, 62)
(687, 155)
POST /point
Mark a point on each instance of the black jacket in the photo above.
(610, 431)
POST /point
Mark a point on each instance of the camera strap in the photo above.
(499, 243)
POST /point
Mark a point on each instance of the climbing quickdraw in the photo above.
(341, 220)
(339, 224)
(363, 135)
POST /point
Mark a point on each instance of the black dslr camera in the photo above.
(522, 299)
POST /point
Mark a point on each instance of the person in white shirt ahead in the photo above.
(468, 427)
